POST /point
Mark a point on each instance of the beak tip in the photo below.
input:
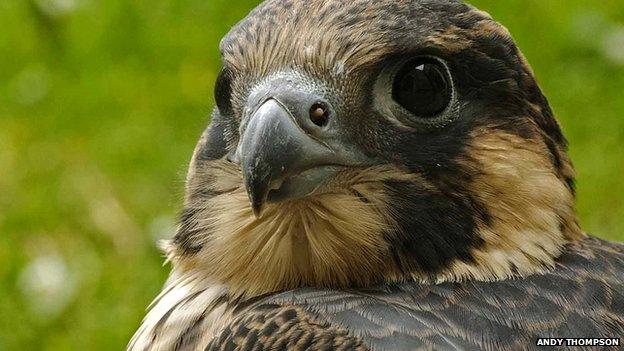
(257, 209)
(257, 192)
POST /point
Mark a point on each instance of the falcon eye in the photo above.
(422, 87)
(223, 91)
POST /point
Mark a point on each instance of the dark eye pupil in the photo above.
(223, 92)
(422, 87)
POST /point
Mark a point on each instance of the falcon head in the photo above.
(366, 142)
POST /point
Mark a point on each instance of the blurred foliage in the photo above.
(101, 103)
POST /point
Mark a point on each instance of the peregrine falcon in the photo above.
(380, 175)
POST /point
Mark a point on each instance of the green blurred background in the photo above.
(101, 103)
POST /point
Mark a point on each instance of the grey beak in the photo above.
(273, 147)
(293, 141)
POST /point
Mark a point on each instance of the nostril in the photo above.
(319, 114)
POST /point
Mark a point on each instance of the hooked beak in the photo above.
(285, 155)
